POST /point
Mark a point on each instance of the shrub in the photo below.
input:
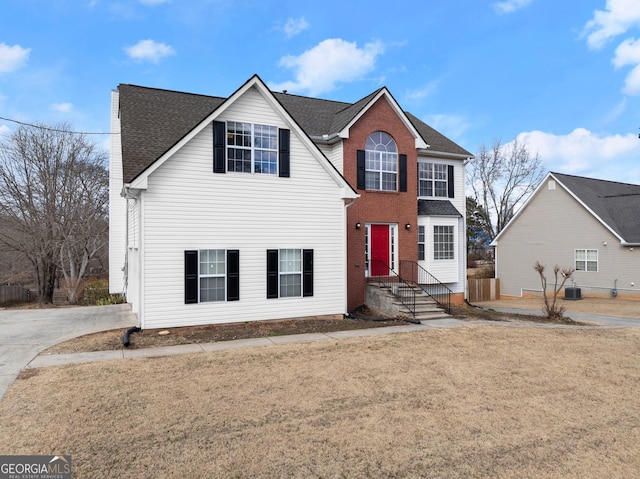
(96, 292)
(550, 307)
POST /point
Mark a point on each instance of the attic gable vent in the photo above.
(552, 185)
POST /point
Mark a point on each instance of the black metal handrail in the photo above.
(413, 273)
(395, 284)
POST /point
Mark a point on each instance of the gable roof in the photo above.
(155, 120)
(615, 205)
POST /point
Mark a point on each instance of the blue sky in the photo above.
(563, 77)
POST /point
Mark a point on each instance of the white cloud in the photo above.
(330, 62)
(12, 58)
(628, 53)
(449, 125)
(510, 6)
(4, 131)
(295, 26)
(62, 107)
(585, 153)
(420, 94)
(148, 50)
(618, 17)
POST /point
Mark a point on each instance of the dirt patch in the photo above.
(481, 401)
(112, 340)
(152, 338)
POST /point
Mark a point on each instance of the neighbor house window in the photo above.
(421, 243)
(289, 273)
(381, 162)
(252, 148)
(586, 260)
(443, 245)
(211, 275)
(432, 179)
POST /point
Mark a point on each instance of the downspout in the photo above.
(346, 258)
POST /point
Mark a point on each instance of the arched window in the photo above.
(381, 162)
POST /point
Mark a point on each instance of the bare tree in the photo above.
(550, 306)
(53, 202)
(501, 178)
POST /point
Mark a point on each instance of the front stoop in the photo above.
(382, 300)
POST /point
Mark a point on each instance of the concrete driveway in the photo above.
(24, 333)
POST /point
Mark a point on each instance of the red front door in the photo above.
(379, 250)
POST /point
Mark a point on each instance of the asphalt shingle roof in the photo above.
(617, 204)
(437, 208)
(153, 120)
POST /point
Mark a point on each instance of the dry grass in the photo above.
(480, 401)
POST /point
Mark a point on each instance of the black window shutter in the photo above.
(233, 275)
(272, 273)
(190, 277)
(219, 156)
(361, 170)
(403, 172)
(450, 188)
(284, 169)
(307, 272)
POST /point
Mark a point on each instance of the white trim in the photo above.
(394, 238)
(419, 141)
(573, 195)
(254, 82)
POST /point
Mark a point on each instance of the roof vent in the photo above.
(552, 185)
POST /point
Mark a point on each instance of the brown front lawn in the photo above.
(478, 401)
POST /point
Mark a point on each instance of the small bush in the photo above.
(96, 292)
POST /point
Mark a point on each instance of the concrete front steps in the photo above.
(381, 299)
(426, 309)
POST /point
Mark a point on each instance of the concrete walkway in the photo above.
(600, 322)
(24, 333)
(16, 355)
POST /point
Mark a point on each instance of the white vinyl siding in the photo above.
(117, 204)
(447, 269)
(187, 207)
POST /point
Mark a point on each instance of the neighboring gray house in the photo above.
(587, 224)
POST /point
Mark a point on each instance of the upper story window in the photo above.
(252, 148)
(434, 180)
(381, 162)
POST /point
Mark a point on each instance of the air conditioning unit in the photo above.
(572, 293)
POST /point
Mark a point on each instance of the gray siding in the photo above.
(550, 228)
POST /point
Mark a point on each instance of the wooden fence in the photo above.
(486, 289)
(14, 293)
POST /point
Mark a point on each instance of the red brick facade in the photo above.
(385, 207)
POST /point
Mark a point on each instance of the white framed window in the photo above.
(443, 242)
(381, 162)
(586, 260)
(421, 243)
(290, 271)
(252, 148)
(212, 274)
(433, 179)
